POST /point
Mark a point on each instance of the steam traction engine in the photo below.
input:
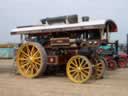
(112, 55)
(109, 51)
(65, 41)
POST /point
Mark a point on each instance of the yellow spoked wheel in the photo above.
(79, 69)
(99, 69)
(31, 59)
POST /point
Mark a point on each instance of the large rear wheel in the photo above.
(31, 59)
(79, 69)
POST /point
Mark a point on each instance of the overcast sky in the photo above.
(27, 12)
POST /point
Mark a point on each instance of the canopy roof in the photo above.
(92, 24)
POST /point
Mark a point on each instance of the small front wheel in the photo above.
(79, 69)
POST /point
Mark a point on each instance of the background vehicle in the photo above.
(113, 57)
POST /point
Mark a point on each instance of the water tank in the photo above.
(70, 19)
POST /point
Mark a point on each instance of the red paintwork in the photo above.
(55, 59)
(123, 60)
(108, 57)
(122, 63)
(112, 65)
(123, 55)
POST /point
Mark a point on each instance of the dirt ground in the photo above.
(115, 83)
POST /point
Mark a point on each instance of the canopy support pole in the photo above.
(21, 38)
(107, 35)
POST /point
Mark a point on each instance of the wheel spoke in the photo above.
(24, 53)
(32, 50)
(23, 59)
(76, 76)
(78, 61)
(74, 64)
(98, 64)
(73, 70)
(81, 62)
(23, 56)
(79, 76)
(32, 71)
(23, 62)
(82, 77)
(98, 69)
(28, 50)
(35, 54)
(83, 74)
(22, 66)
(35, 58)
(72, 67)
(35, 62)
(74, 73)
(28, 68)
(85, 71)
(85, 68)
(36, 67)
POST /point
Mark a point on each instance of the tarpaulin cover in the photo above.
(107, 47)
(6, 52)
